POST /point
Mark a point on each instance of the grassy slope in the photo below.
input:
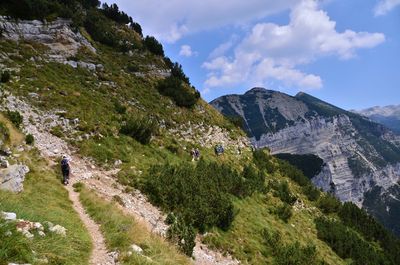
(245, 240)
(44, 199)
(91, 101)
(121, 231)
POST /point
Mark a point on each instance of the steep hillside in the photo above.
(388, 116)
(359, 154)
(128, 118)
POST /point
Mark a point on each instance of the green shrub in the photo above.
(5, 77)
(141, 129)
(284, 212)
(329, 204)
(181, 234)
(78, 186)
(133, 68)
(291, 254)
(312, 192)
(282, 191)
(178, 91)
(237, 121)
(271, 238)
(365, 224)
(15, 117)
(200, 194)
(57, 131)
(119, 108)
(295, 254)
(29, 139)
(263, 160)
(153, 45)
(348, 244)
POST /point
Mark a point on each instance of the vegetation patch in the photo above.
(42, 187)
(121, 231)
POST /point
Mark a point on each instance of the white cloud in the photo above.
(385, 6)
(274, 52)
(170, 20)
(224, 47)
(186, 51)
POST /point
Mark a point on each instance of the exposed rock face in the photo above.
(57, 35)
(12, 178)
(358, 153)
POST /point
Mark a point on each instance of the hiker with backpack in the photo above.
(65, 169)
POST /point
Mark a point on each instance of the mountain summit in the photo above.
(360, 156)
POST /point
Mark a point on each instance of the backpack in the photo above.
(64, 164)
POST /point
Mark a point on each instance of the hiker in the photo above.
(65, 168)
(219, 150)
(193, 154)
(196, 154)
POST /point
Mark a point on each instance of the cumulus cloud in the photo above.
(275, 52)
(186, 51)
(384, 6)
(171, 20)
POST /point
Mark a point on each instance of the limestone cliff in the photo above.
(359, 155)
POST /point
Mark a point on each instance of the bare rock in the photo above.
(59, 230)
(8, 216)
(12, 178)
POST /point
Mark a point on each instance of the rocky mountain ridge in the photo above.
(358, 154)
(387, 115)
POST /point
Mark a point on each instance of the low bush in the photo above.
(141, 129)
(181, 234)
(119, 108)
(289, 254)
(312, 192)
(153, 45)
(348, 244)
(263, 160)
(15, 117)
(178, 91)
(5, 77)
(284, 212)
(282, 191)
(329, 204)
(29, 139)
(200, 194)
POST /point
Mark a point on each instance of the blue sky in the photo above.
(344, 52)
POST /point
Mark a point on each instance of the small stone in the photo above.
(8, 233)
(38, 226)
(59, 230)
(136, 249)
(8, 216)
(41, 234)
(117, 163)
(4, 163)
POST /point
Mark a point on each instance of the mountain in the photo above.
(360, 156)
(83, 82)
(388, 116)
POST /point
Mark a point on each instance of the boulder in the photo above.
(12, 178)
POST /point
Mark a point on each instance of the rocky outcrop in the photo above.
(12, 178)
(359, 154)
(58, 36)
